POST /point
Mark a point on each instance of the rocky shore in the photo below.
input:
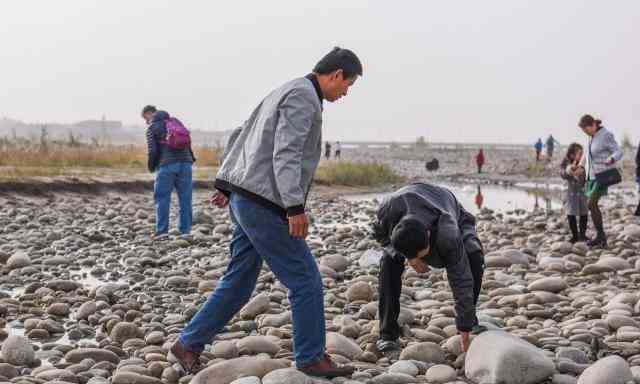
(87, 297)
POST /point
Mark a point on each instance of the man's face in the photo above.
(337, 86)
(418, 263)
(147, 116)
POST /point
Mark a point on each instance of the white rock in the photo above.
(341, 345)
(499, 357)
(440, 374)
(548, 284)
(403, 366)
(18, 260)
(18, 351)
(609, 370)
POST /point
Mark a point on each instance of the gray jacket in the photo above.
(602, 148)
(575, 201)
(273, 156)
(453, 237)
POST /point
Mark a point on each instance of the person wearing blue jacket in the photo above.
(538, 146)
(173, 171)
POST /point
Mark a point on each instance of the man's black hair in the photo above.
(149, 108)
(409, 237)
(339, 58)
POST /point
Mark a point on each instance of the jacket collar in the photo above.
(314, 80)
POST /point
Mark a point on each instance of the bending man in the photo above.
(424, 225)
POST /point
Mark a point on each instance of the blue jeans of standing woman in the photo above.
(168, 177)
(260, 235)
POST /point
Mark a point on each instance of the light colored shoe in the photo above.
(162, 237)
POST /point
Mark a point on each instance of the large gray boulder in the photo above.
(609, 370)
(227, 371)
(17, 350)
(499, 357)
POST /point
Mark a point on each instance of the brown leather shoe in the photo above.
(327, 368)
(189, 361)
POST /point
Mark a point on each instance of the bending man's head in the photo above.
(411, 238)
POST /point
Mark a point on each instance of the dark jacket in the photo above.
(453, 235)
(158, 153)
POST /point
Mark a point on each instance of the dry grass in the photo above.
(20, 161)
(116, 156)
(355, 174)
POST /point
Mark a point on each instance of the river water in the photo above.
(497, 198)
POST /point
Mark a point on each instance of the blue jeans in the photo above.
(260, 234)
(169, 176)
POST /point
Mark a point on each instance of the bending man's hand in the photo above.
(219, 200)
(465, 341)
(299, 226)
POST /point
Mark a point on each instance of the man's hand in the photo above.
(465, 341)
(219, 200)
(299, 225)
(611, 161)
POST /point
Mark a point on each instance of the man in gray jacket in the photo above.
(425, 225)
(265, 176)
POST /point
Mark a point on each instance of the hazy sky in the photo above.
(488, 71)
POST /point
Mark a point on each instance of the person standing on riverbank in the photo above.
(602, 156)
(575, 202)
(265, 177)
(425, 225)
(551, 144)
(173, 162)
(338, 150)
(480, 160)
(327, 150)
(538, 146)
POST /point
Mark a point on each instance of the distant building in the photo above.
(99, 124)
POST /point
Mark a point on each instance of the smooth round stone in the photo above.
(405, 367)
(440, 374)
(17, 350)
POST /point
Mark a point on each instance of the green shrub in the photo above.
(355, 174)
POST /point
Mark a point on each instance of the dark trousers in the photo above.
(390, 287)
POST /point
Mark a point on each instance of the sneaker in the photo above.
(187, 237)
(188, 361)
(162, 237)
(574, 239)
(327, 368)
(387, 345)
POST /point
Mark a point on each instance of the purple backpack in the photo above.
(178, 137)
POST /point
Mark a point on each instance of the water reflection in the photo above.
(479, 198)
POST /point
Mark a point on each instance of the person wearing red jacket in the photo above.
(480, 160)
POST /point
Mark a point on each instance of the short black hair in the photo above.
(410, 236)
(149, 108)
(339, 58)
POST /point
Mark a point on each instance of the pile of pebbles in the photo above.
(86, 296)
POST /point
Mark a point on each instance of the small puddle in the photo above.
(500, 199)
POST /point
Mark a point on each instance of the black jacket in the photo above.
(453, 235)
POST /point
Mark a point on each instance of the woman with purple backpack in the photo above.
(170, 154)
